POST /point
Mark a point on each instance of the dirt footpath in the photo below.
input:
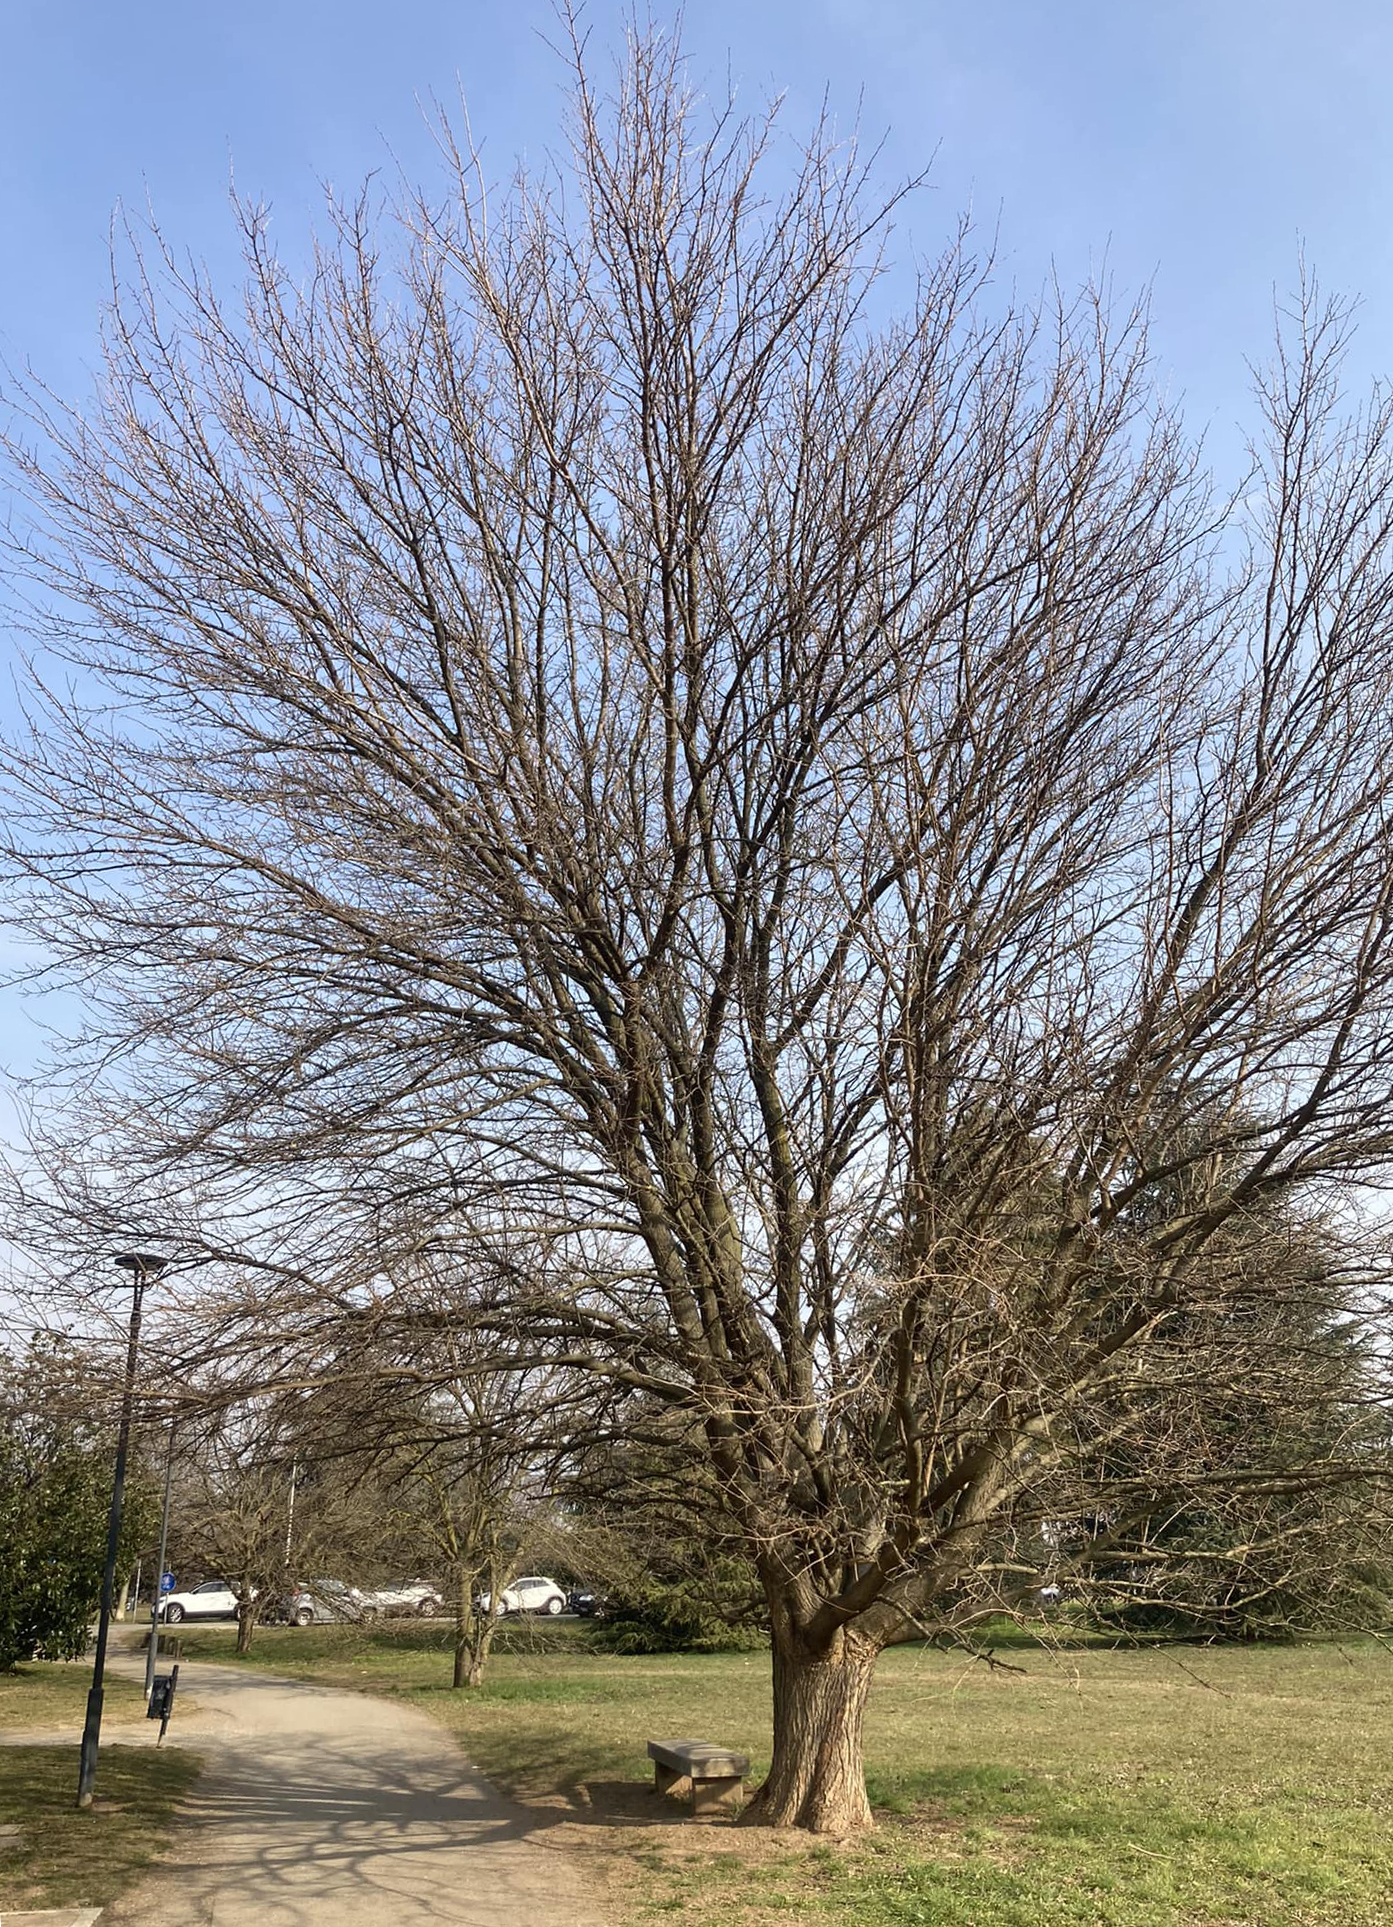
(319, 1808)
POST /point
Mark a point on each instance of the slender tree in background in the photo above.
(458, 1502)
(456, 1447)
(578, 719)
(262, 1504)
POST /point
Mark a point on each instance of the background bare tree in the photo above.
(262, 1501)
(567, 726)
(457, 1448)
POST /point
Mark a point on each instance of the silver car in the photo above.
(324, 1602)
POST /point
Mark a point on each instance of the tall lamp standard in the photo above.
(143, 1266)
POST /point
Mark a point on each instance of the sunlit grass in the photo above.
(45, 1693)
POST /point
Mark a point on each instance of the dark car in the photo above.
(585, 1603)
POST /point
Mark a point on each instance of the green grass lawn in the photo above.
(61, 1856)
(1171, 1786)
(46, 1693)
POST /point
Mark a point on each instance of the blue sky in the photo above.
(1192, 144)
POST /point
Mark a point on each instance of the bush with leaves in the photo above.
(1230, 1503)
(55, 1496)
(648, 1530)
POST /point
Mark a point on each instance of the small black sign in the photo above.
(161, 1697)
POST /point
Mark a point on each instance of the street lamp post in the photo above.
(142, 1267)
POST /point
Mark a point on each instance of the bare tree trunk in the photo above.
(482, 1628)
(816, 1779)
(465, 1668)
(246, 1624)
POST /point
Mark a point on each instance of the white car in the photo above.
(214, 1599)
(530, 1595)
(415, 1596)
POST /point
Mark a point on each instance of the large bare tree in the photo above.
(620, 716)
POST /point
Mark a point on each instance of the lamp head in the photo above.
(147, 1263)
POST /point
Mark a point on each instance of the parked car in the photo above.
(531, 1595)
(406, 1596)
(214, 1599)
(320, 1602)
(585, 1603)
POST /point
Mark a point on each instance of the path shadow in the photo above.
(310, 1832)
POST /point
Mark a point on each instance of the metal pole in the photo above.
(92, 1729)
(142, 1267)
(159, 1569)
(290, 1513)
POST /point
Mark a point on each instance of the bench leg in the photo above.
(665, 1778)
(716, 1796)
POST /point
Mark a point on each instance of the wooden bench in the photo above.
(715, 1774)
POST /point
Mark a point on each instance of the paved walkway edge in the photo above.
(50, 1917)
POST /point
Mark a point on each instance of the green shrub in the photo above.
(675, 1621)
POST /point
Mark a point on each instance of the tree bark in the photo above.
(246, 1624)
(817, 1777)
(464, 1670)
(473, 1632)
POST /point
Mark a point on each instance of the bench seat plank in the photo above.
(698, 1759)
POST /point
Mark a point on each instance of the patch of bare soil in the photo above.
(631, 1837)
